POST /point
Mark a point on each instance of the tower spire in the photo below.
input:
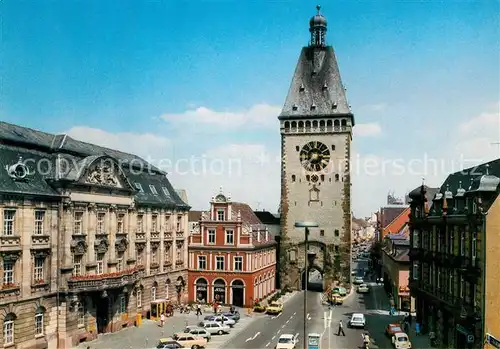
(317, 28)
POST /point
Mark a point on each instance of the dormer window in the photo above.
(153, 189)
(165, 191)
(220, 215)
(138, 186)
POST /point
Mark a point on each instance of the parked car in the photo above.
(357, 320)
(235, 316)
(400, 340)
(199, 332)
(363, 288)
(222, 319)
(168, 343)
(274, 308)
(214, 327)
(342, 291)
(190, 341)
(391, 329)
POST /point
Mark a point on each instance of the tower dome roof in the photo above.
(317, 20)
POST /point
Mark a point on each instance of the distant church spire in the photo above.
(317, 28)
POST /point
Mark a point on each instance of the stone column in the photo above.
(111, 230)
(131, 227)
(90, 231)
(147, 227)
(67, 227)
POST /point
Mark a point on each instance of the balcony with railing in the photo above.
(168, 236)
(179, 235)
(101, 282)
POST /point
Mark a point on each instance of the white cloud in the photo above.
(259, 115)
(367, 130)
(462, 146)
(143, 144)
(251, 171)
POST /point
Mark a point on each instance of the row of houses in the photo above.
(92, 237)
(438, 257)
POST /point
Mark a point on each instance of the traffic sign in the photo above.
(470, 338)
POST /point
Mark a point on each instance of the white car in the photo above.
(224, 320)
(213, 327)
(286, 341)
(357, 320)
(358, 280)
(363, 288)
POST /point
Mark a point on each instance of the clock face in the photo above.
(314, 156)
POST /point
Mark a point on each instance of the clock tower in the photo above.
(316, 133)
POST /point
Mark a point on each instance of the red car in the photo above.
(391, 329)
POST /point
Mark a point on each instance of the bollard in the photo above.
(147, 340)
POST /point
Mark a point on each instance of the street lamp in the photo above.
(306, 225)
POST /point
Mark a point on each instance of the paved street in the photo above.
(265, 332)
(149, 333)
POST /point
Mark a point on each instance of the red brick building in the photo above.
(232, 256)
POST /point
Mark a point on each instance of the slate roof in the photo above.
(44, 152)
(470, 179)
(466, 180)
(316, 81)
(267, 217)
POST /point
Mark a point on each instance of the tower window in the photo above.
(336, 232)
(308, 178)
(293, 178)
(297, 148)
(329, 180)
(333, 146)
(321, 232)
(337, 178)
(322, 178)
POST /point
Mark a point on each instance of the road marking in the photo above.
(252, 338)
(277, 316)
(268, 344)
(287, 321)
(283, 326)
(273, 337)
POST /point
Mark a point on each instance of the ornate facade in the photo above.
(316, 131)
(90, 236)
(232, 256)
(454, 255)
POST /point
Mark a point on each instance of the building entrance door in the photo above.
(102, 313)
(237, 289)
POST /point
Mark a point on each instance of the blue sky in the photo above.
(112, 71)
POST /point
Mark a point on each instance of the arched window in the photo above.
(8, 329)
(287, 125)
(39, 321)
(337, 177)
(293, 178)
(138, 297)
(81, 314)
(167, 288)
(153, 293)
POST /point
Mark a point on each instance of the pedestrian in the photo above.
(162, 319)
(198, 309)
(410, 318)
(341, 329)
(417, 328)
(406, 327)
